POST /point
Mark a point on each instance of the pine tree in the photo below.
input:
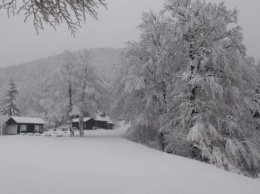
(9, 104)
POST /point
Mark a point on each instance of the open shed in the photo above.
(17, 125)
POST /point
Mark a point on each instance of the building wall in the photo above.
(23, 128)
(110, 126)
(87, 125)
(4, 129)
(101, 124)
(11, 129)
(91, 124)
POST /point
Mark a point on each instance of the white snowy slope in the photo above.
(105, 163)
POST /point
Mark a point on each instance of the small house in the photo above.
(88, 123)
(93, 123)
(103, 122)
(17, 125)
(110, 125)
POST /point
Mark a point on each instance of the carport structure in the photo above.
(17, 125)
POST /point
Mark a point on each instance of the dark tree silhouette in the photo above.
(54, 12)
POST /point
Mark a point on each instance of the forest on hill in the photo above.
(42, 88)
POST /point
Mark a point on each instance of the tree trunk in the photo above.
(192, 88)
(81, 117)
(70, 109)
(163, 134)
(194, 149)
(81, 130)
(70, 128)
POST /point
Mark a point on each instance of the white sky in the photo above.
(19, 42)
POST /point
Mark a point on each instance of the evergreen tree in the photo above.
(9, 104)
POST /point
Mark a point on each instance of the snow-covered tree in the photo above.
(9, 103)
(142, 86)
(207, 108)
(188, 82)
(68, 68)
(52, 98)
(43, 91)
(54, 12)
(87, 91)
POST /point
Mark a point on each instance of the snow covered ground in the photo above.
(105, 163)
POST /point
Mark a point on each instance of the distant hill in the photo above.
(32, 79)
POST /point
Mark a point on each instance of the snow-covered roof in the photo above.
(85, 119)
(100, 118)
(28, 120)
(97, 118)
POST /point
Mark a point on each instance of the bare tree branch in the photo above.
(54, 12)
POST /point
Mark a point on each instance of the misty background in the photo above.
(116, 25)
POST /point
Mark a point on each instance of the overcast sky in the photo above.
(116, 25)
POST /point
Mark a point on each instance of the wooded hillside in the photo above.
(39, 83)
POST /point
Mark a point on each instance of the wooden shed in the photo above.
(17, 125)
(90, 123)
(103, 122)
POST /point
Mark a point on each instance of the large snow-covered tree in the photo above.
(54, 12)
(52, 98)
(187, 81)
(87, 89)
(213, 117)
(9, 103)
(68, 68)
(144, 80)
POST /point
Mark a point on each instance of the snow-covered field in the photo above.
(105, 163)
